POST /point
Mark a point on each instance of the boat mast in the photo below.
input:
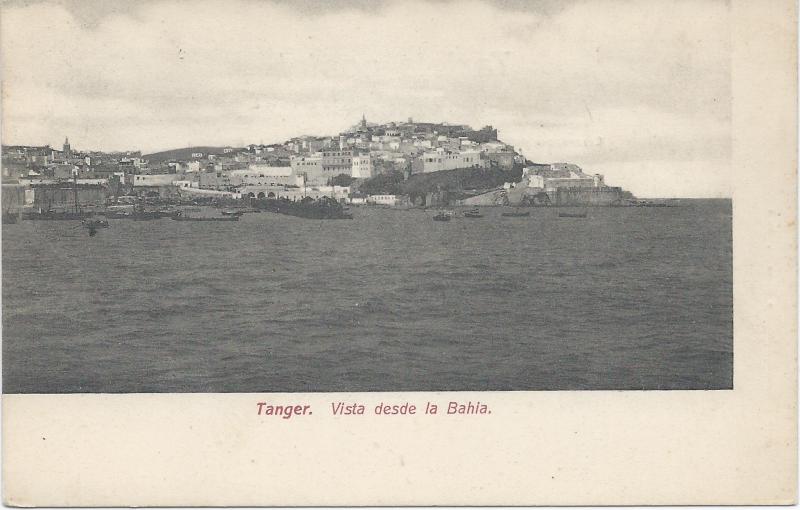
(75, 189)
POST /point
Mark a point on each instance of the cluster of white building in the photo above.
(305, 166)
(559, 175)
(257, 181)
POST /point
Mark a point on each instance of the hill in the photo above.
(458, 180)
(183, 154)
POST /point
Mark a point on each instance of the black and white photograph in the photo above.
(356, 196)
(367, 253)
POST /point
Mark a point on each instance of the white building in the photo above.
(154, 180)
(337, 193)
(310, 167)
(265, 175)
(189, 167)
(562, 176)
(362, 167)
(382, 199)
(186, 184)
(436, 161)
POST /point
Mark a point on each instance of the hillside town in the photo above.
(399, 164)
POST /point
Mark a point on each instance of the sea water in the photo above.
(626, 298)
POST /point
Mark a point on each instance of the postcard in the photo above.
(481, 252)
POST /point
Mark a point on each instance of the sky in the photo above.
(639, 90)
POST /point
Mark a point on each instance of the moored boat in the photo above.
(515, 214)
(322, 209)
(442, 216)
(180, 217)
(51, 215)
(208, 218)
(473, 213)
(94, 223)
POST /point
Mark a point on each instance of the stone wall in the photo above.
(584, 196)
(64, 197)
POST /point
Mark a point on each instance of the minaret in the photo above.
(363, 121)
(67, 150)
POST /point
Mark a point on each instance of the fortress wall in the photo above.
(584, 196)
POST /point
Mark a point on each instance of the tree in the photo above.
(390, 183)
(341, 180)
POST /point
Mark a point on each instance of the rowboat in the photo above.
(179, 217)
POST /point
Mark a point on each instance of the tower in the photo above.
(67, 150)
(363, 121)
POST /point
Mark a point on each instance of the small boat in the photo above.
(137, 214)
(516, 214)
(324, 208)
(442, 216)
(232, 212)
(630, 202)
(146, 215)
(180, 217)
(473, 213)
(55, 215)
(94, 222)
(572, 215)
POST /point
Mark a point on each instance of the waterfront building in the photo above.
(296, 193)
(436, 161)
(264, 175)
(560, 175)
(50, 193)
(382, 199)
(310, 167)
(262, 191)
(154, 180)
